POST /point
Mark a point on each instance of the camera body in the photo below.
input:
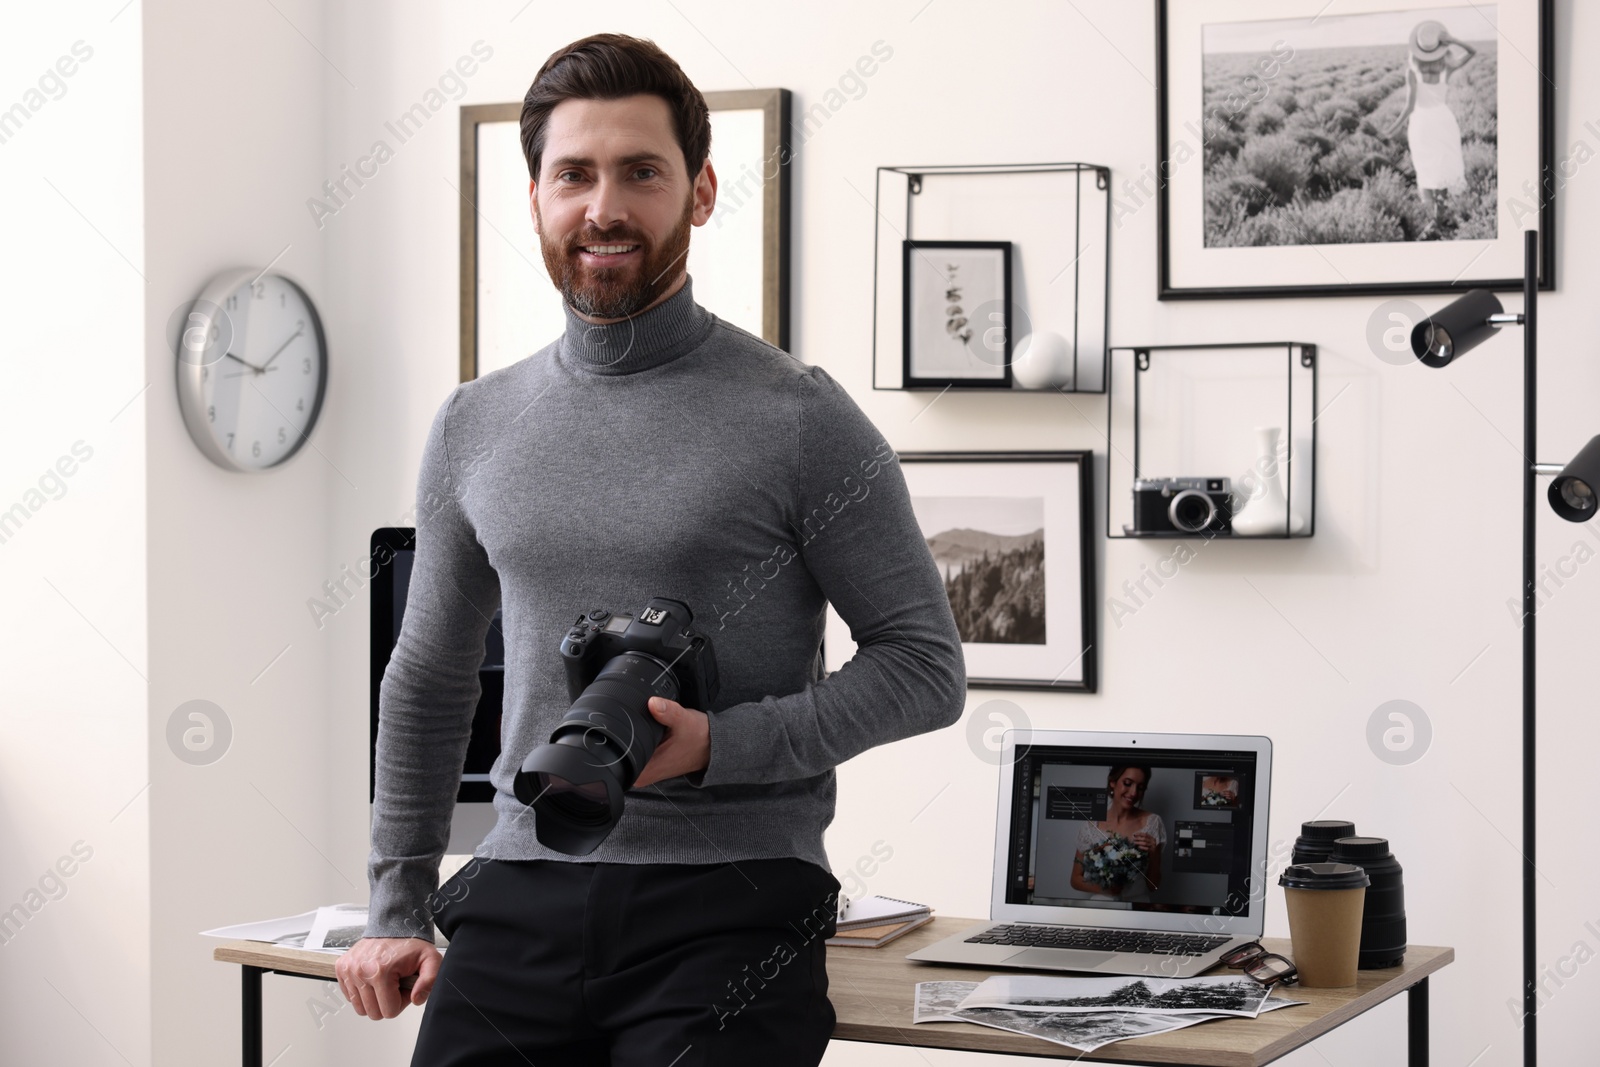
(1182, 506)
(615, 663)
(661, 630)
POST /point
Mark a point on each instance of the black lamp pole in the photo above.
(1530, 605)
(1574, 495)
(1437, 341)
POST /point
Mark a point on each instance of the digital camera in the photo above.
(1182, 505)
(615, 663)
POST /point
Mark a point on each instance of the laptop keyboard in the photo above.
(1154, 941)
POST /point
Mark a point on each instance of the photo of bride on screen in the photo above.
(1119, 857)
(1159, 834)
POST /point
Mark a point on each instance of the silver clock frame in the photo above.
(191, 396)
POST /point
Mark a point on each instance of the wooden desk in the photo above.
(873, 989)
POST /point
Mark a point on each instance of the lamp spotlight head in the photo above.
(1573, 493)
(1456, 328)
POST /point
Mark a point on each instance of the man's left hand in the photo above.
(686, 748)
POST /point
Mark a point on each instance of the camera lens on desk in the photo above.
(1315, 843)
(1383, 916)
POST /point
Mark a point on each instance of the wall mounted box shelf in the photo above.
(1212, 441)
(1049, 334)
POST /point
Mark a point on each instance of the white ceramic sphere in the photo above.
(1045, 361)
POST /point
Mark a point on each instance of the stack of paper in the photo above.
(1086, 1013)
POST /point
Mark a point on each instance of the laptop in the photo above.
(1170, 909)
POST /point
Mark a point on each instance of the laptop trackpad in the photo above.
(1060, 958)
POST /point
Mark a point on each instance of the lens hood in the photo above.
(575, 791)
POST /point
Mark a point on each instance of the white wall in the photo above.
(248, 110)
(235, 105)
(74, 772)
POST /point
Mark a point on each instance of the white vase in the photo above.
(1045, 362)
(1266, 511)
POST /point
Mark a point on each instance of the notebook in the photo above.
(878, 936)
(877, 910)
(1073, 890)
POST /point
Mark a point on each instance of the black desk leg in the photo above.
(251, 1015)
(1417, 1024)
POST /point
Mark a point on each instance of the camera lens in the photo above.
(581, 802)
(1191, 511)
(575, 783)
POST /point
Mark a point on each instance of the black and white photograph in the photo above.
(1382, 127)
(1221, 995)
(1009, 533)
(1084, 1031)
(337, 927)
(957, 314)
(994, 576)
(1308, 149)
(937, 1001)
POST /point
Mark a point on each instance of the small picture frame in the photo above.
(957, 314)
(1010, 533)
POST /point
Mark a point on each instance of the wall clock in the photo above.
(252, 369)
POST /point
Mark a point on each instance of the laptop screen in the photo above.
(1137, 828)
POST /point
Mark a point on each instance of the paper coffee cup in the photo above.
(1325, 902)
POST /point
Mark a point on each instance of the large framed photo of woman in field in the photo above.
(1010, 532)
(1376, 147)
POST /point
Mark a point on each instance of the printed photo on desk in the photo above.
(1010, 534)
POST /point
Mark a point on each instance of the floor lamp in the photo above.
(1436, 341)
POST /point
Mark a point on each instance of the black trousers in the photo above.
(649, 965)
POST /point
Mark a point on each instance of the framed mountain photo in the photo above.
(1010, 534)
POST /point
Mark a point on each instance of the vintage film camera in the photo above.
(1182, 505)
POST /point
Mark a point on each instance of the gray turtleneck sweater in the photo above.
(672, 454)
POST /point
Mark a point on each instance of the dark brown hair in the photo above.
(609, 66)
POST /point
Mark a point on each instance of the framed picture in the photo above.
(1010, 532)
(739, 259)
(1388, 147)
(957, 313)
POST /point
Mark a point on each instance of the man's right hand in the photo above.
(371, 973)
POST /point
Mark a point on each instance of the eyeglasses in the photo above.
(1265, 967)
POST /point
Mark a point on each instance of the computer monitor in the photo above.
(393, 549)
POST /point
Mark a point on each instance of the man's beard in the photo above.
(616, 292)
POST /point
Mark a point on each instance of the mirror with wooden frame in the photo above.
(739, 259)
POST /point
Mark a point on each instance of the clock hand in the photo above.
(253, 372)
(281, 347)
(252, 366)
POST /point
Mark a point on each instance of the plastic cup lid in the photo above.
(1324, 876)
